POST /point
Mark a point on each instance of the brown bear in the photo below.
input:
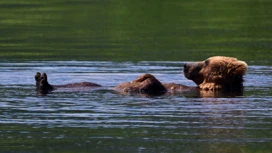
(216, 73)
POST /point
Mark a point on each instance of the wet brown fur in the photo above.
(215, 73)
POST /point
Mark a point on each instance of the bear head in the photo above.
(218, 72)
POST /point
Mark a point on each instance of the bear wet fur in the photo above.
(145, 83)
(42, 84)
(44, 87)
(217, 73)
(148, 84)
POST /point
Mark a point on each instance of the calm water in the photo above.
(69, 39)
(104, 121)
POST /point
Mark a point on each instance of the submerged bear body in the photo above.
(149, 84)
(44, 87)
(214, 73)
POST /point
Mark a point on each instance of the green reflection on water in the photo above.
(135, 30)
(17, 138)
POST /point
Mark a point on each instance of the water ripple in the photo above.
(165, 118)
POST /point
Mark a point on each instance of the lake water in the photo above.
(113, 41)
(100, 120)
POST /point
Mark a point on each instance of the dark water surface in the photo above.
(104, 121)
(135, 30)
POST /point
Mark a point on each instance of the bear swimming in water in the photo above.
(215, 73)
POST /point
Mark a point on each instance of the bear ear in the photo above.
(241, 67)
